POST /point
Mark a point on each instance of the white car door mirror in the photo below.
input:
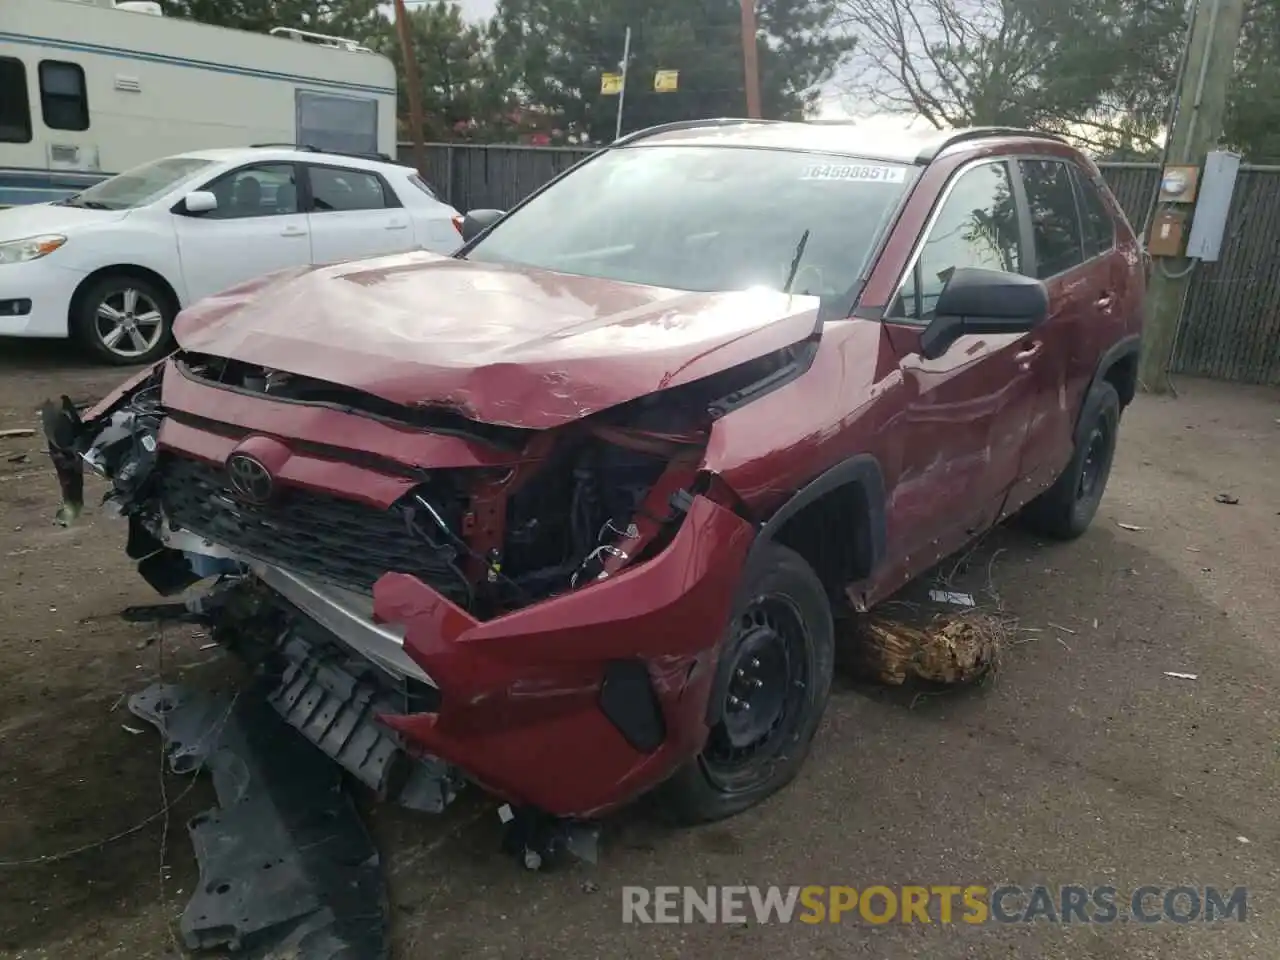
(200, 201)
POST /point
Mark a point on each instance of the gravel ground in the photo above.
(1082, 763)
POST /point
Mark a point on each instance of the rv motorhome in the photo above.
(93, 87)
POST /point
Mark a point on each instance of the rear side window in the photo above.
(340, 188)
(422, 185)
(1099, 227)
(15, 112)
(976, 227)
(1055, 224)
(64, 100)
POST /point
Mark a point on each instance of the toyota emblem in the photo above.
(250, 481)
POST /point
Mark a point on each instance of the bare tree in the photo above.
(1094, 69)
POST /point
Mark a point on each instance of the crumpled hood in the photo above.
(498, 344)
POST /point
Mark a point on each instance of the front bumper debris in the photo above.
(568, 704)
(286, 865)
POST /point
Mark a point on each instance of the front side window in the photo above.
(15, 109)
(1055, 223)
(337, 188)
(977, 226)
(64, 100)
(1099, 226)
(707, 218)
(262, 190)
(139, 186)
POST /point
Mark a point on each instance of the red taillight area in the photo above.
(457, 223)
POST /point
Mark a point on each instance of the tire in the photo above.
(1066, 509)
(124, 319)
(782, 614)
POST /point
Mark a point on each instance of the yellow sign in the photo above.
(666, 81)
(610, 84)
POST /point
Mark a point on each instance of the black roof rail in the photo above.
(309, 148)
(684, 125)
(952, 137)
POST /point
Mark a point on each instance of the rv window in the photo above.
(15, 114)
(63, 98)
(340, 124)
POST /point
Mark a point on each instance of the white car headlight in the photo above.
(30, 248)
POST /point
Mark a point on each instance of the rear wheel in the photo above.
(772, 683)
(1066, 509)
(124, 319)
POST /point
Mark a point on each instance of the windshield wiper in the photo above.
(77, 201)
(795, 261)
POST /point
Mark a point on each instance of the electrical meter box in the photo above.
(1213, 205)
(1167, 230)
(1178, 182)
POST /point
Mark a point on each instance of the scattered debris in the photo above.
(1182, 676)
(950, 650)
(1242, 839)
(1193, 549)
(20, 458)
(136, 731)
(208, 646)
(955, 599)
(1058, 626)
(15, 433)
(1130, 526)
(1227, 498)
(287, 868)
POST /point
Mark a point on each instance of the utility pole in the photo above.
(413, 85)
(750, 58)
(1197, 128)
(622, 91)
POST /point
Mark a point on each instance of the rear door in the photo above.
(1072, 276)
(958, 445)
(354, 213)
(257, 228)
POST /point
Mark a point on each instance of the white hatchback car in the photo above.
(113, 265)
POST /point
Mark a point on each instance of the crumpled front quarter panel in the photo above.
(519, 693)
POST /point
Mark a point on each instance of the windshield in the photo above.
(708, 219)
(139, 186)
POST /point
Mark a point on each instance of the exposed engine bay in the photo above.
(554, 512)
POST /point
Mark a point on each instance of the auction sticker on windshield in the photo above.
(862, 172)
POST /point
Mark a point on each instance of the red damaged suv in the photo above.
(568, 514)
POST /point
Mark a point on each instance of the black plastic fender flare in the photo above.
(862, 469)
(1131, 344)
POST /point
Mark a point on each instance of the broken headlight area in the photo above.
(118, 441)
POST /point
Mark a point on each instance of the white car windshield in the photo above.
(708, 218)
(139, 186)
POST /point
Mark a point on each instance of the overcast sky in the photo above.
(831, 105)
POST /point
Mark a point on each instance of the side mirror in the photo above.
(984, 301)
(199, 201)
(477, 222)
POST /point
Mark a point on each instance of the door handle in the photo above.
(396, 225)
(1104, 301)
(293, 232)
(1033, 351)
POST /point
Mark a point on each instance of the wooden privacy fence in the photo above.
(1230, 325)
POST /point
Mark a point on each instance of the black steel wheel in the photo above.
(1066, 509)
(771, 687)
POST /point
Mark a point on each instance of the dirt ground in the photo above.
(1082, 763)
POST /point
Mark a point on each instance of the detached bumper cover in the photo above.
(521, 708)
